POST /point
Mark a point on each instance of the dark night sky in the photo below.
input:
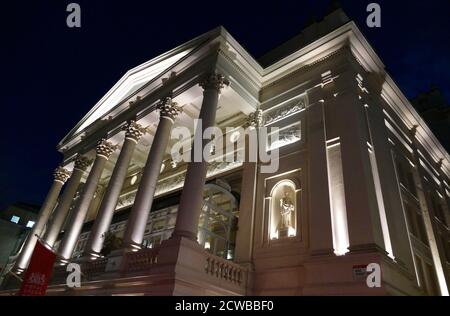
(52, 75)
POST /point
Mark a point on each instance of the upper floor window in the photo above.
(436, 204)
(406, 174)
(415, 223)
(30, 224)
(15, 219)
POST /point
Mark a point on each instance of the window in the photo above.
(406, 175)
(218, 221)
(152, 241)
(15, 219)
(446, 246)
(30, 224)
(437, 207)
(415, 223)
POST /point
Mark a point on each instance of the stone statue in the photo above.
(287, 208)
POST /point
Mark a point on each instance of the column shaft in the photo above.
(105, 214)
(65, 251)
(61, 211)
(192, 195)
(44, 214)
(348, 122)
(400, 240)
(137, 221)
(321, 231)
(244, 237)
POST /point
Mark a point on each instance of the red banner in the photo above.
(39, 271)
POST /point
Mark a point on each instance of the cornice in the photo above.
(348, 36)
(406, 112)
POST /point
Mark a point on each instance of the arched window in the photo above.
(218, 221)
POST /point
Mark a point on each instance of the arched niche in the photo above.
(283, 209)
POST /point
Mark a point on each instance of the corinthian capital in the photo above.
(61, 174)
(82, 163)
(256, 118)
(105, 148)
(134, 131)
(214, 81)
(168, 109)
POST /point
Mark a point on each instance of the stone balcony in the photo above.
(177, 267)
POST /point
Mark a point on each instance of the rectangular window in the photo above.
(406, 174)
(30, 224)
(446, 246)
(416, 223)
(15, 219)
(437, 208)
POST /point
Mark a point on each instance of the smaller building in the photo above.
(16, 222)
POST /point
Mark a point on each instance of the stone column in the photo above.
(61, 175)
(104, 150)
(137, 220)
(244, 236)
(62, 209)
(349, 122)
(192, 195)
(321, 231)
(94, 245)
(396, 221)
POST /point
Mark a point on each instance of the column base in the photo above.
(130, 247)
(92, 256)
(18, 271)
(62, 262)
(367, 248)
(184, 234)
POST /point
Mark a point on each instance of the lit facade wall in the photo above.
(358, 182)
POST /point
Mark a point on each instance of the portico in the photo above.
(141, 221)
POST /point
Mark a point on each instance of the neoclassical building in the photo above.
(361, 178)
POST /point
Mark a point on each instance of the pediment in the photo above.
(134, 79)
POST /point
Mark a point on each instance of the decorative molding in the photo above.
(61, 174)
(169, 109)
(288, 109)
(214, 81)
(105, 148)
(134, 131)
(177, 181)
(256, 119)
(126, 200)
(216, 168)
(82, 163)
(287, 136)
(308, 67)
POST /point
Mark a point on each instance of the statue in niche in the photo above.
(287, 208)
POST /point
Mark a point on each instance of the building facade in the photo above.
(360, 178)
(16, 221)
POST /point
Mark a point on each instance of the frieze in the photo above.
(290, 108)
